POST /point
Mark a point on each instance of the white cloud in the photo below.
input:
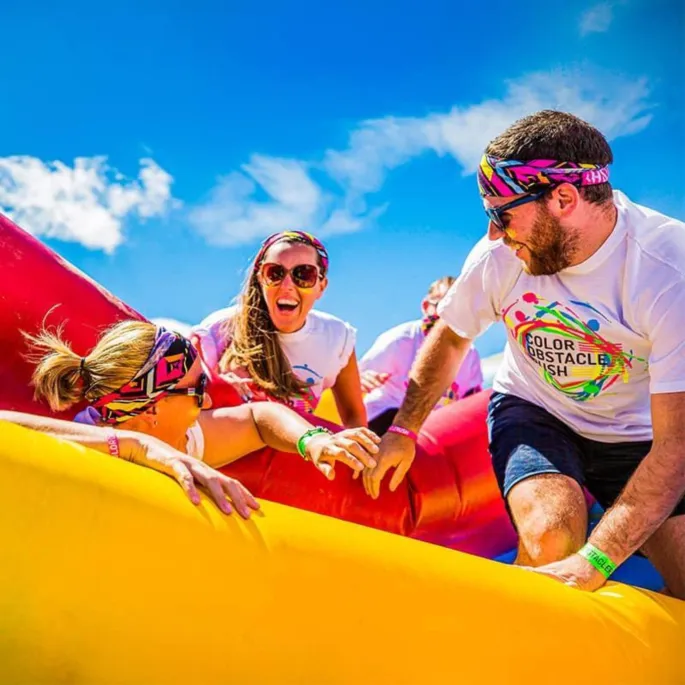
(232, 215)
(597, 19)
(614, 105)
(85, 203)
(235, 214)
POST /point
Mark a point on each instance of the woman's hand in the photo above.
(186, 471)
(353, 447)
(370, 380)
(240, 384)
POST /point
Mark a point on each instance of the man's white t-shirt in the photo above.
(590, 343)
(394, 352)
(317, 353)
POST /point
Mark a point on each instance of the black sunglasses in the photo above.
(495, 213)
(198, 391)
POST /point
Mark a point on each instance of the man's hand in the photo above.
(574, 571)
(396, 451)
(370, 380)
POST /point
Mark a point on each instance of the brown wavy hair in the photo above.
(254, 339)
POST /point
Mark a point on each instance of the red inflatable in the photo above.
(38, 286)
(449, 497)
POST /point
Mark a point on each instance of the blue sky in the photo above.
(154, 145)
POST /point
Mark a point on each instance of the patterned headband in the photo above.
(170, 359)
(294, 237)
(508, 177)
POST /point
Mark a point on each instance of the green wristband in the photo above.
(306, 437)
(598, 559)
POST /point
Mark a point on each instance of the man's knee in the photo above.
(543, 540)
(550, 515)
(666, 550)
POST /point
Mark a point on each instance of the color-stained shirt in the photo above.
(590, 343)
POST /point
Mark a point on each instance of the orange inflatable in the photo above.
(449, 497)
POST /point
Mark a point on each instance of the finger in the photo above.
(369, 434)
(363, 436)
(237, 494)
(218, 495)
(249, 497)
(366, 481)
(355, 474)
(346, 456)
(184, 478)
(360, 448)
(400, 472)
(326, 469)
(376, 478)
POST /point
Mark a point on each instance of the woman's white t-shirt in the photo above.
(592, 342)
(394, 352)
(317, 353)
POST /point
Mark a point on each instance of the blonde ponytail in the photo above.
(62, 378)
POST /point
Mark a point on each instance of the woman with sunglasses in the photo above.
(273, 344)
(145, 389)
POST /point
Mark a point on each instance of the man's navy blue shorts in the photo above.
(526, 440)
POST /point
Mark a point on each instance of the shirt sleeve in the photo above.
(474, 373)
(470, 306)
(667, 357)
(349, 342)
(210, 335)
(387, 353)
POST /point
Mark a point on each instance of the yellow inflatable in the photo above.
(327, 409)
(109, 576)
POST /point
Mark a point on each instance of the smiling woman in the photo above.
(274, 344)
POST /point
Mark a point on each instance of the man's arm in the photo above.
(655, 488)
(436, 365)
(648, 499)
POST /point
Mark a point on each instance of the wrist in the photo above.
(307, 444)
(133, 446)
(404, 432)
(113, 445)
(596, 558)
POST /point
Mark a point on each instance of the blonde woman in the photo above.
(274, 344)
(145, 389)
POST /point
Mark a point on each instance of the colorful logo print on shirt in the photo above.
(567, 346)
(307, 401)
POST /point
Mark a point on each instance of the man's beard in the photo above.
(551, 248)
